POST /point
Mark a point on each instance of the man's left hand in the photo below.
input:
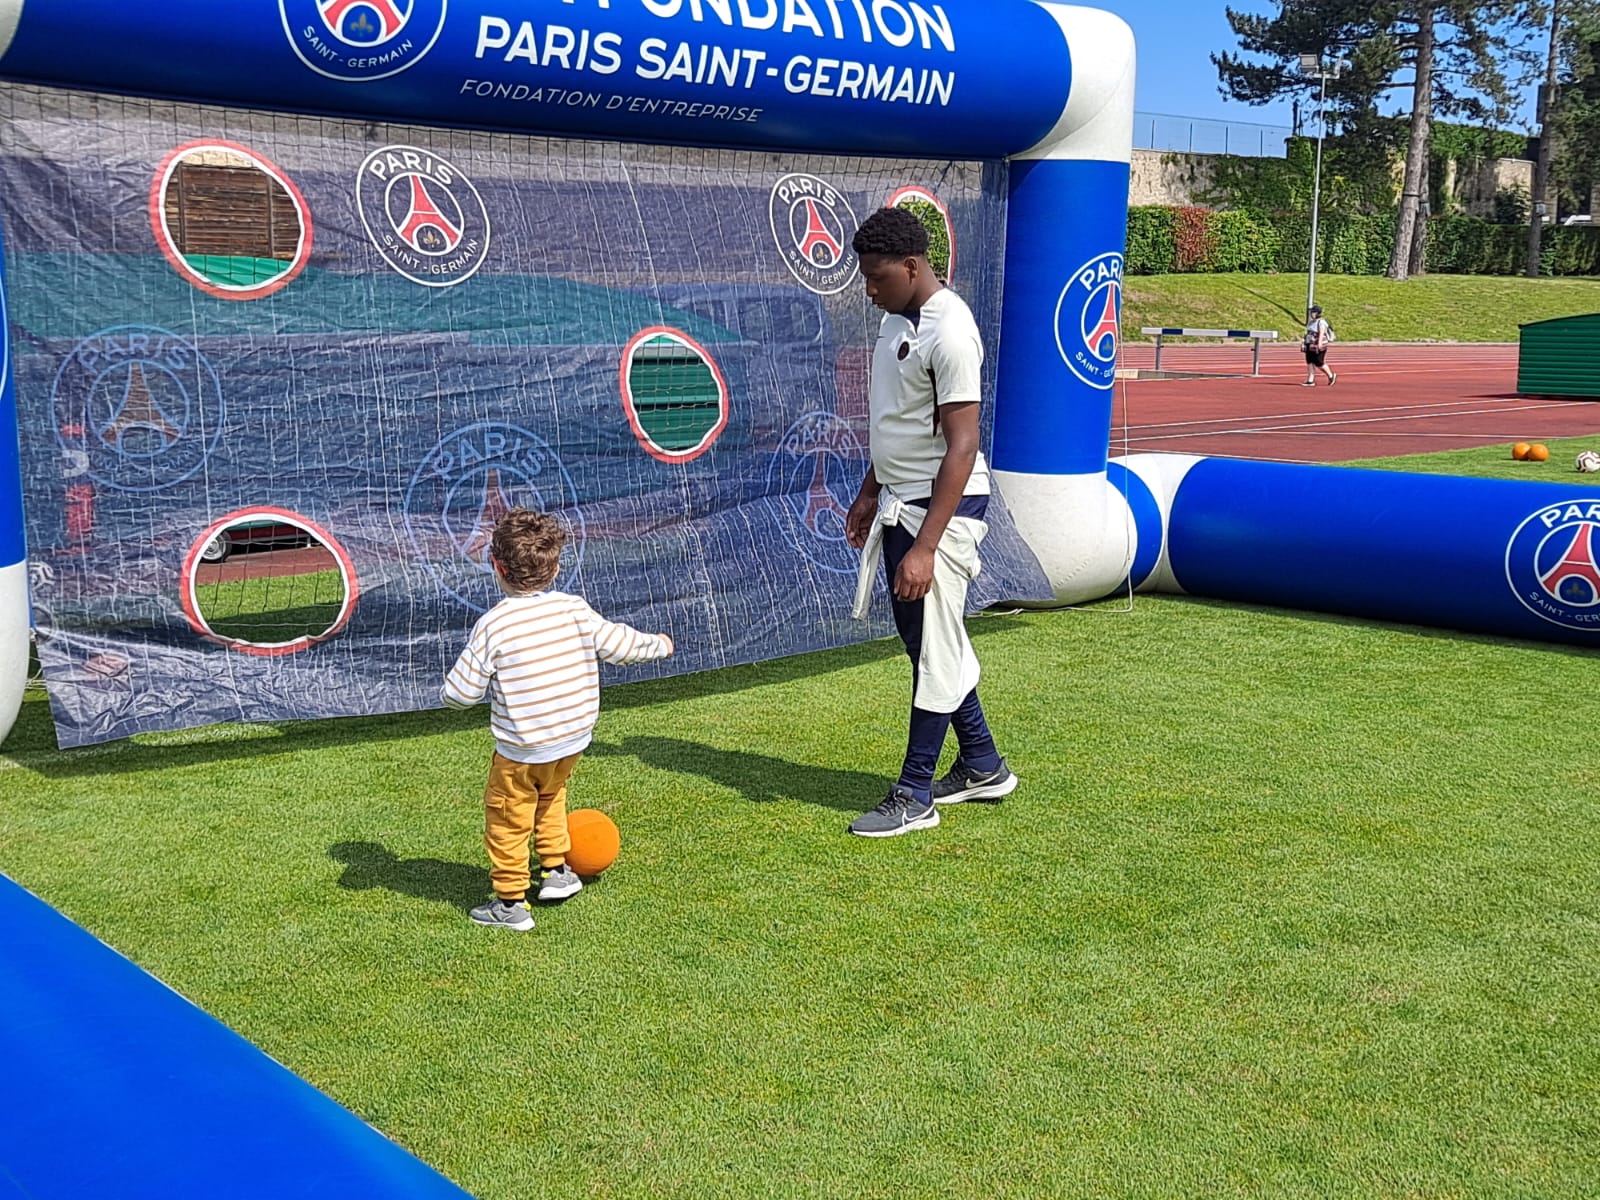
(915, 576)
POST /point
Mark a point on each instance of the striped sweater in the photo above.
(536, 658)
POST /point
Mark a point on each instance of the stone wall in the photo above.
(1475, 190)
(1166, 177)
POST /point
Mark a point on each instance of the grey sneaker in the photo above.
(963, 783)
(501, 915)
(900, 812)
(557, 883)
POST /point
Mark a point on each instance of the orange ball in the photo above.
(1520, 451)
(1538, 452)
(595, 841)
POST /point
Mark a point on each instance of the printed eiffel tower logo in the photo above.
(1576, 578)
(425, 227)
(137, 412)
(493, 506)
(335, 14)
(816, 243)
(820, 500)
(1106, 329)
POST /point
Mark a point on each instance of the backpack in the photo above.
(1310, 338)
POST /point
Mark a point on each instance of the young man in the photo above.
(922, 505)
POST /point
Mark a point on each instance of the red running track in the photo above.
(1389, 400)
(266, 564)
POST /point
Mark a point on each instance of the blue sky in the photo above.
(1176, 39)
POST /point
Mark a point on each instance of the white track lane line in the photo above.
(1319, 425)
(1329, 412)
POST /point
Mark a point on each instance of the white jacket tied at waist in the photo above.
(948, 668)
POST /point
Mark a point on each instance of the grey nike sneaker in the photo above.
(963, 783)
(557, 883)
(900, 812)
(502, 915)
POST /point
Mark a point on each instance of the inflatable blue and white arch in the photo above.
(1048, 87)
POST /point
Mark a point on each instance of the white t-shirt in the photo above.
(936, 359)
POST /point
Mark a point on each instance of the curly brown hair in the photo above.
(527, 545)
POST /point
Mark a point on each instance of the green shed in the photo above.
(1560, 357)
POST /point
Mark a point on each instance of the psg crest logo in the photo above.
(1553, 564)
(425, 217)
(815, 474)
(812, 224)
(139, 405)
(355, 41)
(468, 482)
(1087, 320)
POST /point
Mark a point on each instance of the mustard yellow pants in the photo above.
(525, 801)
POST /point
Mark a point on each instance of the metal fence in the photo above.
(1196, 135)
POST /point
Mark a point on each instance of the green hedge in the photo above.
(1469, 246)
(1346, 245)
(1152, 240)
(1570, 250)
(1240, 240)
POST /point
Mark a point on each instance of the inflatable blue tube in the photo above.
(187, 1107)
(1066, 224)
(1065, 231)
(952, 79)
(1489, 556)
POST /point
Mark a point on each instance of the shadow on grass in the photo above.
(368, 865)
(276, 625)
(33, 738)
(759, 778)
(1269, 301)
(1428, 632)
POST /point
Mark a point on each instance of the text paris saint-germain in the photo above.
(603, 53)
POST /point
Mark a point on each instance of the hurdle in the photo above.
(1256, 336)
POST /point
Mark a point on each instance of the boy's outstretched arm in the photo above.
(621, 644)
(468, 681)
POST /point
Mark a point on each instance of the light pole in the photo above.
(1312, 64)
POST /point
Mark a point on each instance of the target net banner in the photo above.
(278, 377)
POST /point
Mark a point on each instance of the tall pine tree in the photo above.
(1460, 58)
(1575, 171)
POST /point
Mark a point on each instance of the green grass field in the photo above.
(275, 609)
(1286, 906)
(1495, 462)
(1434, 308)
